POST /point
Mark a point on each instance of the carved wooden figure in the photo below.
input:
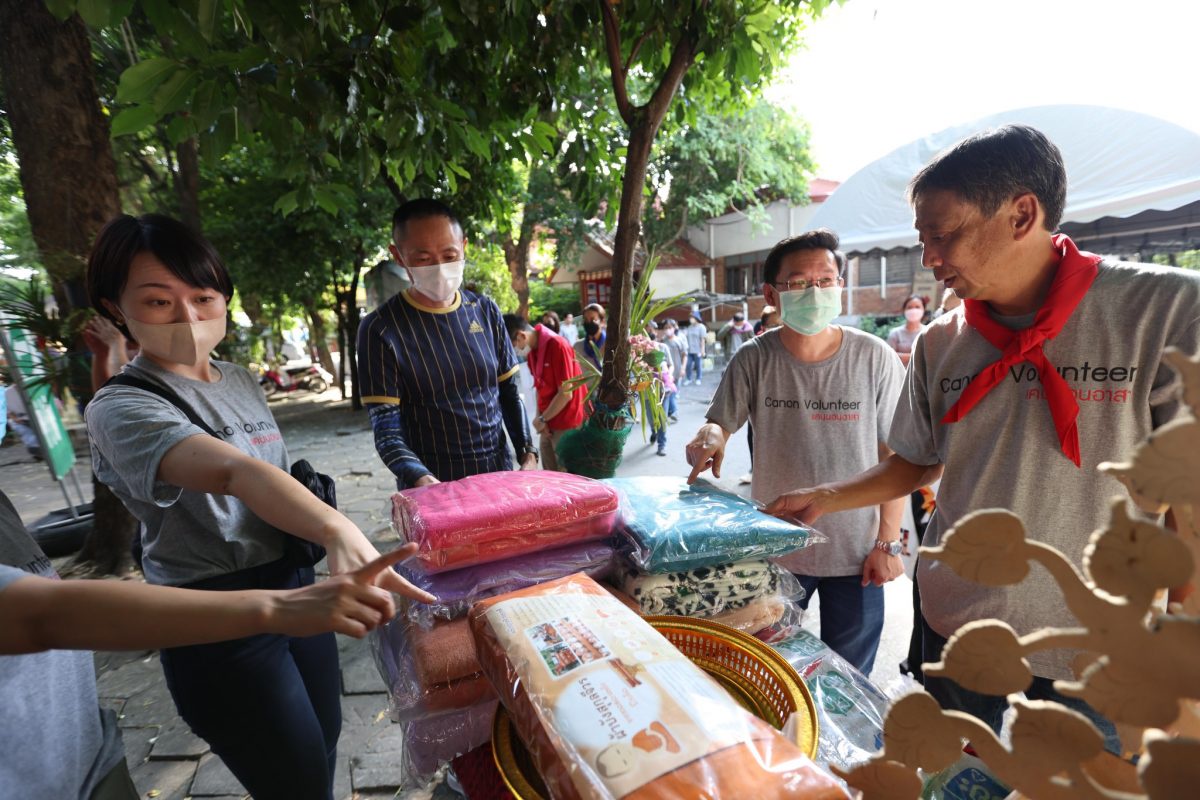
(1138, 667)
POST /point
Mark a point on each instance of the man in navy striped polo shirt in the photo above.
(435, 365)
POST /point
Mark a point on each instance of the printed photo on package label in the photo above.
(566, 644)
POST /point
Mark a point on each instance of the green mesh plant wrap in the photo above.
(594, 449)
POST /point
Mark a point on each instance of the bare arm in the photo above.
(879, 567)
(41, 614)
(707, 450)
(557, 404)
(890, 479)
(205, 464)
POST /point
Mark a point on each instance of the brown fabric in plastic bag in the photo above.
(446, 667)
(767, 768)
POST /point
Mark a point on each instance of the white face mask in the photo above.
(178, 342)
(438, 282)
(914, 314)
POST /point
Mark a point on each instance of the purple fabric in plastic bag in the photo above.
(432, 741)
(457, 589)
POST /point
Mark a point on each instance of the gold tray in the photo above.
(754, 674)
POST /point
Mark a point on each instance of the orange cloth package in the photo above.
(610, 709)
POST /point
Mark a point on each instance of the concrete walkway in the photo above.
(169, 763)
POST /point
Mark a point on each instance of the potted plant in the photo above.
(595, 448)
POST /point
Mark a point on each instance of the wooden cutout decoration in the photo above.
(1139, 668)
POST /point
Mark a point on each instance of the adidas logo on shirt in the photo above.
(475, 327)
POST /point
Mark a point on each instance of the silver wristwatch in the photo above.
(892, 548)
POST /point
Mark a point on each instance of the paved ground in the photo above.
(169, 763)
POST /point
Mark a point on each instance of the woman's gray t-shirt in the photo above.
(186, 536)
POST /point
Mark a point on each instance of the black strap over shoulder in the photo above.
(122, 379)
(297, 551)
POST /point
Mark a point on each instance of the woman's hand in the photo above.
(350, 603)
(350, 551)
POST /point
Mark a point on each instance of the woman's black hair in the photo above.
(910, 298)
(187, 254)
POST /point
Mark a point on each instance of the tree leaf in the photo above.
(61, 9)
(216, 142)
(330, 160)
(139, 81)
(132, 120)
(287, 203)
(326, 199)
(175, 93)
(104, 13)
(206, 18)
(180, 129)
(207, 104)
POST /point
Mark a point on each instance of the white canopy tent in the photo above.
(1119, 164)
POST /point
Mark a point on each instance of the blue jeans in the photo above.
(693, 364)
(670, 404)
(851, 616)
(990, 709)
(268, 705)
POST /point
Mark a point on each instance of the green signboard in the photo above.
(25, 360)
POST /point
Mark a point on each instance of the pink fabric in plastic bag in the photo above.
(484, 518)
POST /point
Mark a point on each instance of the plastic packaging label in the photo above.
(627, 704)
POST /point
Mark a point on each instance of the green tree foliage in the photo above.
(487, 273)
(543, 297)
(713, 54)
(727, 162)
(17, 248)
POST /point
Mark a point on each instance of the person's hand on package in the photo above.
(802, 505)
(706, 451)
(426, 480)
(529, 461)
(350, 551)
(349, 603)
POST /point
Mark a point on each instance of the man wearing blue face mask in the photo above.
(820, 398)
(435, 364)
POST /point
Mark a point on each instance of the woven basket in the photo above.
(753, 673)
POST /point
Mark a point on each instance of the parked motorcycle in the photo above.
(311, 378)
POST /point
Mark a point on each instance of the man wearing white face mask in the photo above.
(820, 398)
(435, 364)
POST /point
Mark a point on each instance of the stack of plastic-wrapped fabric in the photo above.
(659, 546)
(478, 537)
(698, 551)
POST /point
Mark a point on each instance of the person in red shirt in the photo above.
(551, 362)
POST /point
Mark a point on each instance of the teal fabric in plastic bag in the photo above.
(672, 527)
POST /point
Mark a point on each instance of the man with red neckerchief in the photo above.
(1053, 365)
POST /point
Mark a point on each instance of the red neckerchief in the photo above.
(1076, 271)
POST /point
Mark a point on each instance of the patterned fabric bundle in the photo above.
(672, 526)
(703, 591)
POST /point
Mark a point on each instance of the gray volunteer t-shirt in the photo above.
(55, 742)
(186, 536)
(1005, 453)
(814, 422)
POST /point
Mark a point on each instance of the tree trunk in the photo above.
(187, 183)
(644, 122)
(348, 319)
(516, 256)
(614, 381)
(69, 179)
(319, 337)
